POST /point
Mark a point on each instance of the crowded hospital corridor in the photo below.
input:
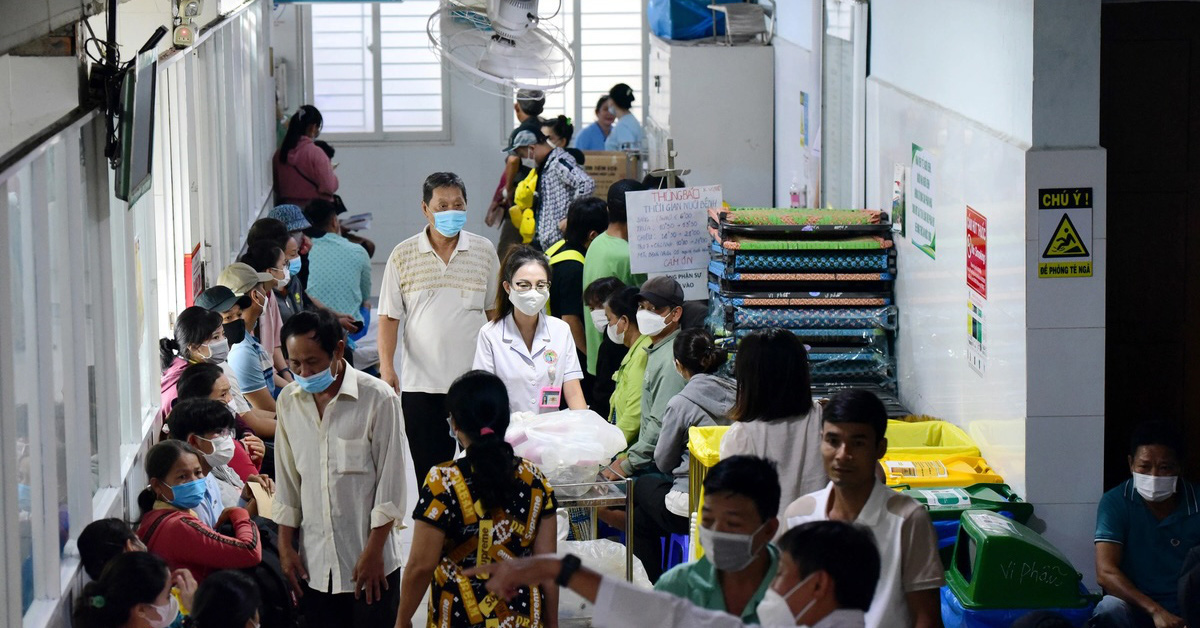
(611, 313)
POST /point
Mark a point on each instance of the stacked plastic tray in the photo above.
(825, 275)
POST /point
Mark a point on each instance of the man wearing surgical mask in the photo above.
(1145, 528)
(440, 284)
(737, 523)
(826, 579)
(339, 460)
(660, 308)
(251, 363)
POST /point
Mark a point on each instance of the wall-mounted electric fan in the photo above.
(501, 45)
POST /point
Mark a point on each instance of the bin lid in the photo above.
(948, 503)
(999, 563)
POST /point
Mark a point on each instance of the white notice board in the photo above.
(668, 229)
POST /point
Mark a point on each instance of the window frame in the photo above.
(572, 9)
(444, 136)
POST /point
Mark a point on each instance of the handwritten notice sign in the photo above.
(693, 282)
(924, 232)
(668, 229)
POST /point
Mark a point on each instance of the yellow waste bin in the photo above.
(928, 440)
(704, 444)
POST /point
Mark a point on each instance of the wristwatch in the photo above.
(570, 564)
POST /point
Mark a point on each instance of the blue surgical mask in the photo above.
(449, 222)
(316, 383)
(189, 494)
(294, 266)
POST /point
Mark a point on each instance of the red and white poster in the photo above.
(977, 252)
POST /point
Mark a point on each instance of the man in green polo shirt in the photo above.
(741, 499)
(608, 256)
(1145, 528)
(660, 308)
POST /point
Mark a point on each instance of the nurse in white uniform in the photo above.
(532, 353)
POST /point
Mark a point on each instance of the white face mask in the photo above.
(280, 284)
(1155, 488)
(218, 351)
(773, 610)
(618, 338)
(599, 320)
(650, 323)
(729, 551)
(166, 614)
(529, 302)
(222, 451)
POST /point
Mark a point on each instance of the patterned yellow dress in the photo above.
(474, 537)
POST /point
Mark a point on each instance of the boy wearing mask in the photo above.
(737, 523)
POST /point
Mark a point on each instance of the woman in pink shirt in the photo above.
(303, 171)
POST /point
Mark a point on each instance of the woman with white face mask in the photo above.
(134, 591)
(626, 401)
(533, 354)
(199, 337)
(268, 258)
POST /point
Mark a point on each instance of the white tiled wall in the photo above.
(1066, 317)
(973, 166)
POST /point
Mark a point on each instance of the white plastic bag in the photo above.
(569, 446)
(604, 556)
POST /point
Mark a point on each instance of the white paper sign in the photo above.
(694, 283)
(920, 214)
(668, 229)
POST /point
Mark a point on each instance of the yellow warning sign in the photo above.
(1066, 241)
(1065, 237)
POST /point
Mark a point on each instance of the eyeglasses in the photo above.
(525, 286)
(225, 433)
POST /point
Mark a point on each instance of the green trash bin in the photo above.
(946, 506)
(999, 563)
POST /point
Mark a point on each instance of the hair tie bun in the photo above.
(97, 601)
(485, 431)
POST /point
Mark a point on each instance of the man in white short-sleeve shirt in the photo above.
(441, 284)
(854, 424)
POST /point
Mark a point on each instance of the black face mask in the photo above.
(235, 331)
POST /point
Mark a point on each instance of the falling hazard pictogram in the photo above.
(1066, 241)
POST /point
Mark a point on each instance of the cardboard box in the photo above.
(607, 167)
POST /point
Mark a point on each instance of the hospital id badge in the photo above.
(551, 398)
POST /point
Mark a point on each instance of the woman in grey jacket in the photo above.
(661, 501)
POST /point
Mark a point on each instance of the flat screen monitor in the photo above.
(137, 129)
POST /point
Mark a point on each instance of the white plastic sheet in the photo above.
(569, 446)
